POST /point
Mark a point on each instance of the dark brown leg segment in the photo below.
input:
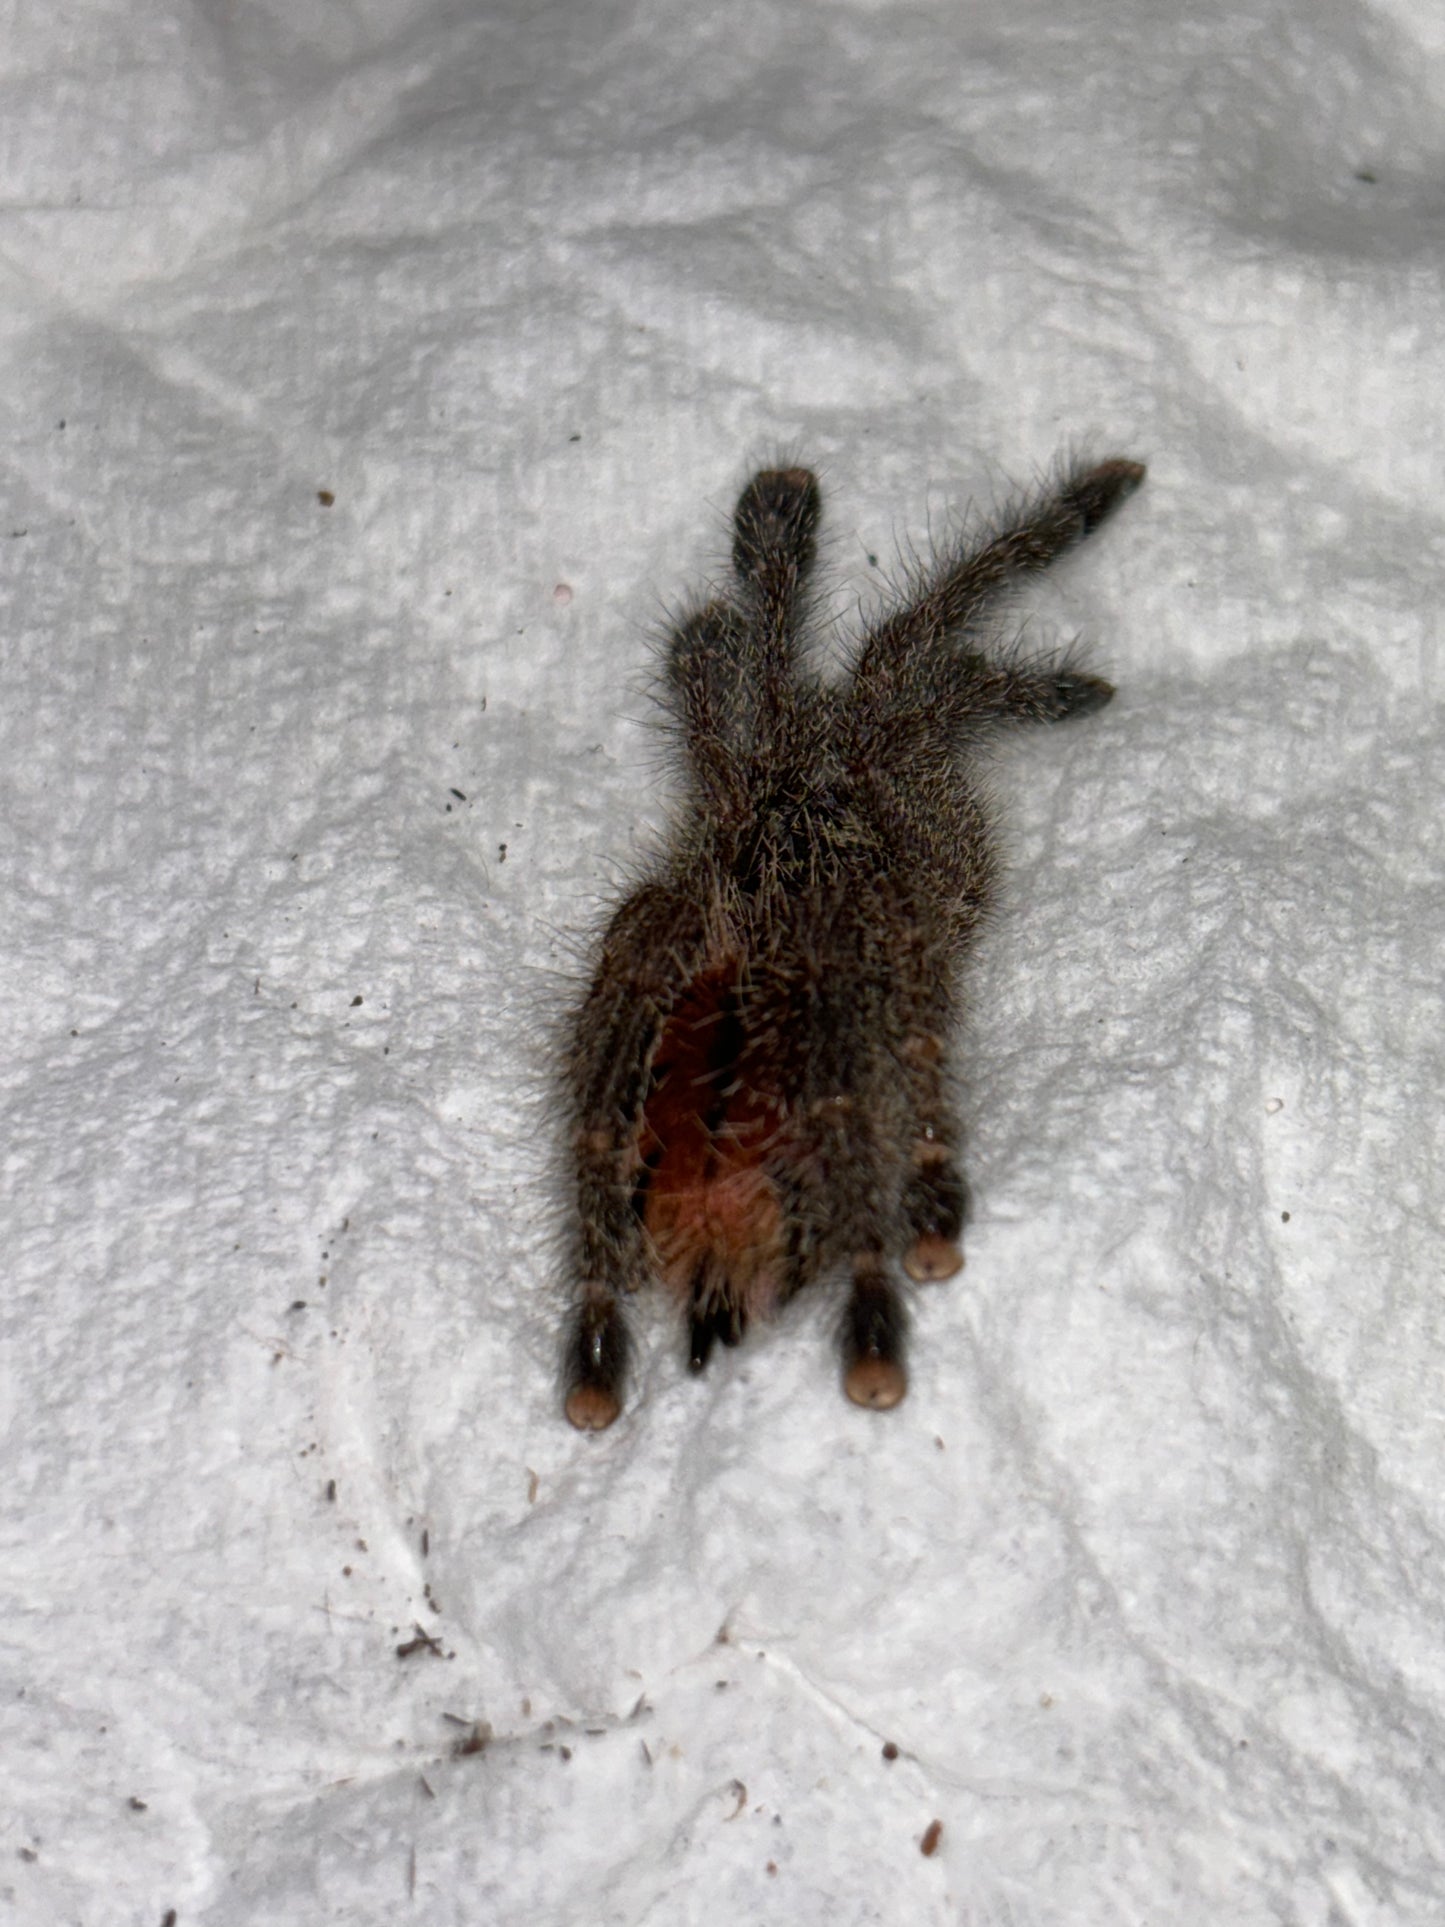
(935, 1204)
(596, 1364)
(935, 1197)
(725, 1322)
(875, 1327)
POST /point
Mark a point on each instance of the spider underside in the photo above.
(758, 1074)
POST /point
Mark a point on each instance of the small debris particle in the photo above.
(872, 561)
(297, 1304)
(331, 1492)
(426, 1787)
(928, 1845)
(890, 1751)
(475, 1741)
(1361, 174)
(646, 1751)
(562, 594)
(1273, 1105)
(170, 1918)
(357, 1000)
(1046, 1700)
(346, 1572)
(532, 1483)
(137, 1805)
(1284, 1217)
(501, 853)
(565, 1752)
(526, 1709)
(325, 497)
(424, 1642)
(460, 795)
(28, 1853)
(411, 1874)
(772, 1866)
(740, 1794)
(574, 438)
(425, 1542)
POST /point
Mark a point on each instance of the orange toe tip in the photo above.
(592, 1409)
(932, 1258)
(876, 1383)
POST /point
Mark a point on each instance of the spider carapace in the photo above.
(758, 1075)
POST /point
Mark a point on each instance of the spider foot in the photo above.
(725, 1322)
(873, 1332)
(932, 1257)
(596, 1366)
(592, 1408)
(1098, 491)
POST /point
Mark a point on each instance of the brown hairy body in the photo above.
(758, 1074)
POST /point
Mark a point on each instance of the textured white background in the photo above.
(1145, 1579)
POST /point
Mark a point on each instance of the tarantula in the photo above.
(758, 1084)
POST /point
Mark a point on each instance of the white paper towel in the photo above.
(373, 377)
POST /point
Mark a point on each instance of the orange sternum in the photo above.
(712, 1211)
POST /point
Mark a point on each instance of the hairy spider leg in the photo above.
(828, 1022)
(732, 678)
(916, 683)
(775, 527)
(935, 1199)
(713, 697)
(614, 1045)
